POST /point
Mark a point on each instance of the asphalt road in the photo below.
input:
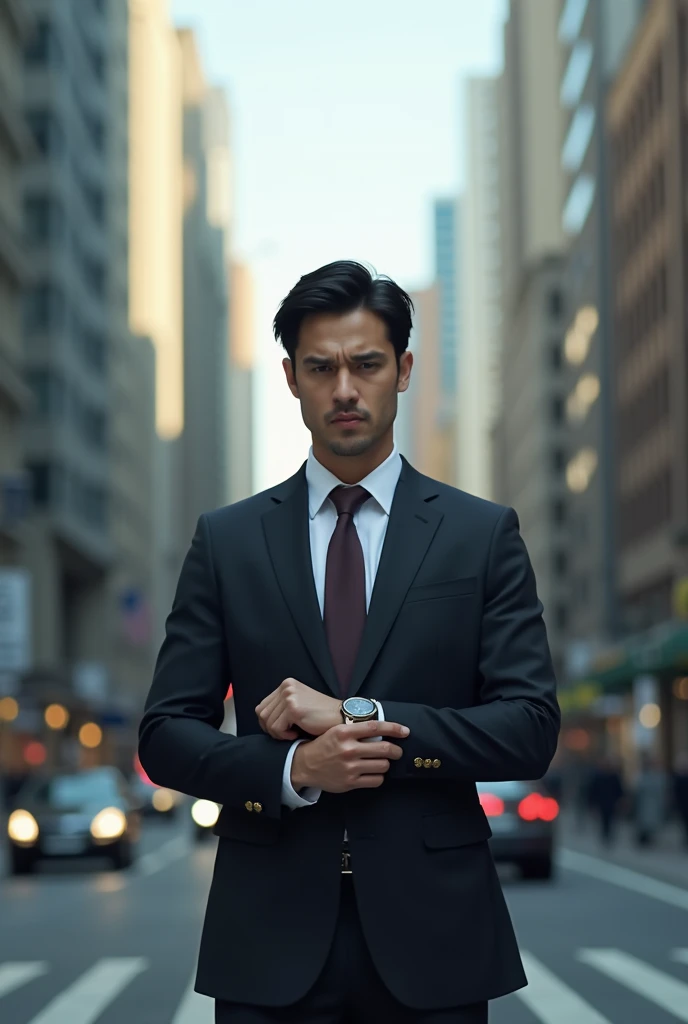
(602, 944)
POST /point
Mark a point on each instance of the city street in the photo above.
(603, 944)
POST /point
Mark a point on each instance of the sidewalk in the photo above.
(667, 859)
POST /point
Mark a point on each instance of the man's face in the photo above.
(346, 379)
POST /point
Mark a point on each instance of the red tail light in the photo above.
(491, 804)
(536, 807)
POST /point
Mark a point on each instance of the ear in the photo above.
(291, 376)
(405, 365)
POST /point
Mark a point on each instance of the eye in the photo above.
(319, 369)
(368, 366)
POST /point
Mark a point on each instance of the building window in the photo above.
(576, 74)
(560, 564)
(571, 21)
(555, 303)
(558, 511)
(42, 47)
(43, 219)
(557, 410)
(40, 480)
(578, 138)
(578, 204)
(46, 131)
(561, 617)
(555, 355)
(558, 460)
(43, 308)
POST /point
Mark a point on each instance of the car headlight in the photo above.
(163, 800)
(22, 828)
(205, 813)
(109, 823)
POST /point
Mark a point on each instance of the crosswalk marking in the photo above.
(14, 975)
(680, 956)
(194, 1008)
(624, 878)
(551, 1000)
(647, 981)
(85, 1000)
(156, 860)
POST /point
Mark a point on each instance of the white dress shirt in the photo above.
(371, 525)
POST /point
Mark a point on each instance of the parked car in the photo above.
(156, 801)
(73, 814)
(204, 814)
(522, 816)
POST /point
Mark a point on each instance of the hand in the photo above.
(342, 760)
(295, 704)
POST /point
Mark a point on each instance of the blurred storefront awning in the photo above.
(660, 651)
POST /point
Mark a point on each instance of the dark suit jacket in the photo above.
(454, 647)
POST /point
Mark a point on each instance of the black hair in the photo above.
(342, 287)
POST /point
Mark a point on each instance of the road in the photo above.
(602, 944)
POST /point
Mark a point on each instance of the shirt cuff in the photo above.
(290, 798)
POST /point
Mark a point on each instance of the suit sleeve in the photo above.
(511, 733)
(180, 745)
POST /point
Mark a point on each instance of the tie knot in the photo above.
(348, 500)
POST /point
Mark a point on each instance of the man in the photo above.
(358, 601)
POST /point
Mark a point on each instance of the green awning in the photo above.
(661, 651)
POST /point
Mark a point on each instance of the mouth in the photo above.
(346, 420)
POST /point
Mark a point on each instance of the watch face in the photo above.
(358, 706)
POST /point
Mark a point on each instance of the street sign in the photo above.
(15, 620)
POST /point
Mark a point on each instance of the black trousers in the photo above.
(349, 990)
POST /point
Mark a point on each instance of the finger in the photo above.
(368, 782)
(383, 749)
(359, 730)
(267, 703)
(370, 767)
(280, 724)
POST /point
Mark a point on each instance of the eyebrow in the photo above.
(363, 357)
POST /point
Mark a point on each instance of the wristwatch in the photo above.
(358, 709)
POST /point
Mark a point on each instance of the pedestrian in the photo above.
(681, 790)
(606, 794)
(357, 601)
(650, 801)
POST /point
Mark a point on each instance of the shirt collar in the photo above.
(381, 483)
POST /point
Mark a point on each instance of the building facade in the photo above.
(594, 38)
(479, 281)
(647, 116)
(14, 270)
(529, 438)
(156, 265)
(204, 439)
(68, 339)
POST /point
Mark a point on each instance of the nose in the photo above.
(345, 390)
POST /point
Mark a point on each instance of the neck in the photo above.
(350, 469)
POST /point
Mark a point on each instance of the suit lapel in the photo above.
(288, 541)
(412, 525)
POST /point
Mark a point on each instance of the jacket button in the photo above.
(257, 808)
(418, 761)
(249, 805)
(427, 763)
(437, 763)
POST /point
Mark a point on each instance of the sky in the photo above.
(346, 124)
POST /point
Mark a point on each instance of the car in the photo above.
(73, 814)
(204, 815)
(155, 801)
(522, 816)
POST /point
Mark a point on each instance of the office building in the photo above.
(529, 436)
(478, 262)
(204, 440)
(156, 265)
(14, 271)
(241, 381)
(68, 338)
(594, 38)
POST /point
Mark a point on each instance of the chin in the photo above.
(352, 446)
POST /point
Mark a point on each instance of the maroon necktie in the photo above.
(345, 589)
